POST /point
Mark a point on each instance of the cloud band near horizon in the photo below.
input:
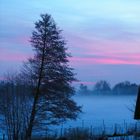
(97, 33)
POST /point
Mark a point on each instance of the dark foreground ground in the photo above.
(86, 134)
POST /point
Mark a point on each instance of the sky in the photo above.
(103, 36)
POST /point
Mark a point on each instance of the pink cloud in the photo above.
(80, 43)
(2, 78)
(99, 51)
(111, 46)
(134, 60)
(15, 54)
(13, 57)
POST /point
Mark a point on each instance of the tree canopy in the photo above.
(51, 76)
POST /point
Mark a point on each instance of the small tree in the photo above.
(102, 87)
(51, 77)
(83, 89)
(137, 109)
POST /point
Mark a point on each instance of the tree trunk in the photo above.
(33, 113)
(137, 108)
(30, 126)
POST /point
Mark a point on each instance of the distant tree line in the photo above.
(103, 88)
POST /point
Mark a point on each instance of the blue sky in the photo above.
(102, 35)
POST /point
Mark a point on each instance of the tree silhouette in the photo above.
(137, 109)
(83, 89)
(102, 86)
(50, 75)
(125, 88)
(15, 107)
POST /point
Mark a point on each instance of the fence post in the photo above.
(91, 131)
(104, 128)
(3, 137)
(82, 123)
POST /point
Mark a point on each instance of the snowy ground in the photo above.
(104, 110)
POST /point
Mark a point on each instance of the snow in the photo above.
(107, 110)
(102, 112)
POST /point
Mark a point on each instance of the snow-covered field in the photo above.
(100, 111)
(108, 110)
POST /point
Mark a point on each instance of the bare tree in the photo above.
(14, 107)
(51, 76)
